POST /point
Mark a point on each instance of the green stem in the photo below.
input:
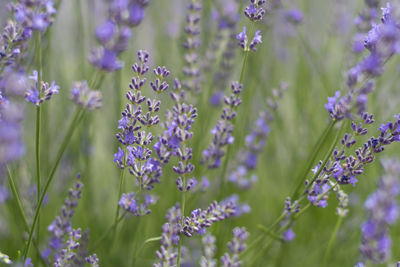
(17, 199)
(182, 216)
(332, 240)
(315, 152)
(75, 121)
(38, 121)
(121, 183)
(21, 211)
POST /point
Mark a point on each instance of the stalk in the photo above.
(182, 216)
(73, 125)
(315, 152)
(332, 240)
(38, 122)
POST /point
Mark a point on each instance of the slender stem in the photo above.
(21, 211)
(108, 231)
(311, 161)
(75, 121)
(182, 216)
(332, 240)
(18, 200)
(38, 121)
(121, 183)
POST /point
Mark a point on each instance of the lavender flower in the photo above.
(382, 211)
(37, 95)
(174, 140)
(382, 43)
(367, 17)
(69, 255)
(136, 153)
(199, 219)
(294, 16)
(169, 238)
(34, 15)
(84, 97)
(246, 159)
(207, 260)
(342, 169)
(222, 132)
(191, 44)
(255, 11)
(236, 246)
(13, 43)
(289, 235)
(61, 226)
(113, 35)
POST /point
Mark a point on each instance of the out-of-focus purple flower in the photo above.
(222, 132)
(191, 69)
(136, 15)
(207, 260)
(61, 226)
(3, 194)
(84, 97)
(217, 98)
(289, 235)
(106, 31)
(294, 16)
(383, 210)
(170, 238)
(236, 246)
(114, 34)
(34, 15)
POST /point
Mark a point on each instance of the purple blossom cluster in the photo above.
(342, 169)
(236, 246)
(383, 211)
(191, 44)
(13, 44)
(177, 133)
(208, 245)
(70, 256)
(84, 97)
(61, 227)
(38, 93)
(222, 132)
(224, 45)
(169, 239)
(200, 219)
(367, 17)
(254, 12)
(382, 42)
(246, 159)
(114, 34)
(34, 15)
(136, 153)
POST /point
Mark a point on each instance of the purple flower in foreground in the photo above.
(38, 93)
